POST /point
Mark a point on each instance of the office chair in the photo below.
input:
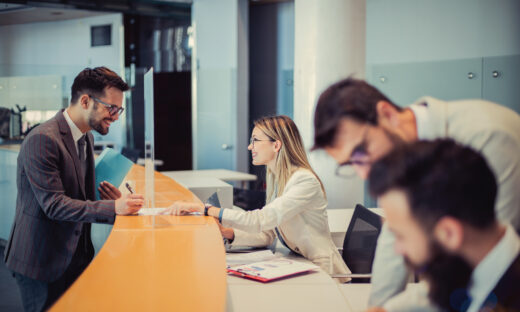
(248, 199)
(360, 243)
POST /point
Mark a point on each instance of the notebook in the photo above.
(267, 271)
(112, 167)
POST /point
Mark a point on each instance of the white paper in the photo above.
(161, 211)
(275, 268)
(233, 259)
(151, 211)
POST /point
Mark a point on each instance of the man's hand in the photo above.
(129, 204)
(108, 191)
(228, 233)
(181, 207)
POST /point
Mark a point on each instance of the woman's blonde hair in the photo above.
(289, 158)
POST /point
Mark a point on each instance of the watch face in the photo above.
(213, 200)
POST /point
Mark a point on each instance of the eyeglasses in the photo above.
(112, 109)
(346, 169)
(253, 140)
(358, 157)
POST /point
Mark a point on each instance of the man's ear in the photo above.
(387, 114)
(84, 101)
(449, 232)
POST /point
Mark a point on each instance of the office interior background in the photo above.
(221, 64)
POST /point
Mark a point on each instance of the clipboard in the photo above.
(271, 270)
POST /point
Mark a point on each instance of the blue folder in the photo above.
(112, 167)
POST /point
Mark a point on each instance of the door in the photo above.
(215, 123)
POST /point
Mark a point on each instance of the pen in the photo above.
(129, 188)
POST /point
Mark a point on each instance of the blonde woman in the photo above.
(296, 205)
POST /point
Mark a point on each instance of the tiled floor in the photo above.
(9, 295)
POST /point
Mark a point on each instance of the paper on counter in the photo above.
(151, 211)
(233, 259)
(160, 211)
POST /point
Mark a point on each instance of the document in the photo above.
(112, 167)
(234, 259)
(266, 271)
(151, 211)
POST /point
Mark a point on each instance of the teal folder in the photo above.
(112, 167)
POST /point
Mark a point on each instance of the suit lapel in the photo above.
(71, 147)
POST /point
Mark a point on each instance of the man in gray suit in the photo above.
(50, 243)
(357, 125)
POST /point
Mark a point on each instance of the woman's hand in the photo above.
(228, 233)
(181, 207)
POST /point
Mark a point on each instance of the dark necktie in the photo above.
(82, 156)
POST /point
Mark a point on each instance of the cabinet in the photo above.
(491, 78)
(501, 81)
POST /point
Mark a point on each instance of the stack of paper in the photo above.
(233, 259)
(271, 270)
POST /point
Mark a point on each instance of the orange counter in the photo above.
(177, 265)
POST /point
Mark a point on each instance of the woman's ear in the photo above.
(277, 145)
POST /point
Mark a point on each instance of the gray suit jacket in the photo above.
(53, 202)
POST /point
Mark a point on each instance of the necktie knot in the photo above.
(82, 141)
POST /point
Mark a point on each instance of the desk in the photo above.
(310, 292)
(169, 267)
(222, 174)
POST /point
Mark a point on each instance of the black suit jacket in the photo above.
(506, 295)
(53, 202)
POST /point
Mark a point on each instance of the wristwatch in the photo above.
(206, 207)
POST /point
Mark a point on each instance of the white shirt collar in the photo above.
(420, 110)
(490, 270)
(76, 133)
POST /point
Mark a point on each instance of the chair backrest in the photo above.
(360, 241)
(248, 199)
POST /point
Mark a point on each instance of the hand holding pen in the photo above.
(129, 203)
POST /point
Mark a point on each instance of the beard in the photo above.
(97, 124)
(448, 276)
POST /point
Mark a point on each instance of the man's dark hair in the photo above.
(351, 98)
(93, 81)
(439, 178)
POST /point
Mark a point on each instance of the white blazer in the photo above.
(300, 216)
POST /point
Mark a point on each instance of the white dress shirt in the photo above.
(300, 216)
(74, 130)
(490, 270)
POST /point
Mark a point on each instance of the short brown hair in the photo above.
(352, 98)
(440, 178)
(94, 81)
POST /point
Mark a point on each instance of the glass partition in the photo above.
(149, 140)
